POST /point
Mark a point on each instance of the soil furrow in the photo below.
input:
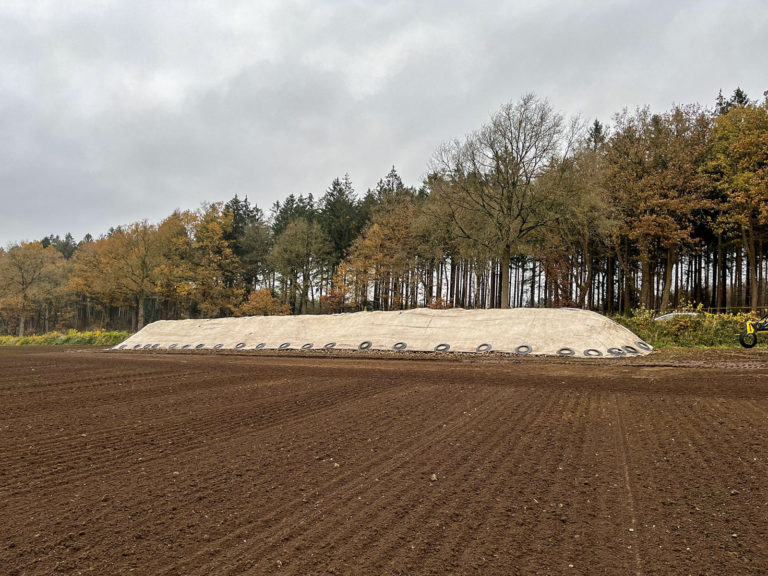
(282, 519)
(117, 463)
(391, 500)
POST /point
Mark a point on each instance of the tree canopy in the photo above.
(653, 209)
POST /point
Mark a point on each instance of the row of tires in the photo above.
(399, 346)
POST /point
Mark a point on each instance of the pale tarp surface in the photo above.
(519, 330)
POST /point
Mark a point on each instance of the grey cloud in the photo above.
(128, 110)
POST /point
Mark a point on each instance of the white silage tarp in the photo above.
(564, 332)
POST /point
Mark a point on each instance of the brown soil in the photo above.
(144, 463)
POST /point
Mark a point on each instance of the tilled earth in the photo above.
(146, 463)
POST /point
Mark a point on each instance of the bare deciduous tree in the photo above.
(490, 177)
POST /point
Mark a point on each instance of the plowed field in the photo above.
(143, 463)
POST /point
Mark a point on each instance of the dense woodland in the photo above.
(654, 210)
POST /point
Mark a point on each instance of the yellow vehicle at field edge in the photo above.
(748, 338)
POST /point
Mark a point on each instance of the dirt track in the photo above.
(116, 463)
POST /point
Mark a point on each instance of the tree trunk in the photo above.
(646, 285)
(506, 257)
(705, 274)
(492, 297)
(452, 283)
(440, 276)
(585, 280)
(699, 284)
(738, 280)
(608, 292)
(749, 244)
(305, 285)
(627, 294)
(140, 313)
(464, 283)
(429, 291)
(21, 323)
(676, 283)
(722, 301)
(668, 269)
(760, 282)
(716, 277)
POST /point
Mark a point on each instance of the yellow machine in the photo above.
(749, 338)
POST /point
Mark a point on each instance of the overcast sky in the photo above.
(112, 112)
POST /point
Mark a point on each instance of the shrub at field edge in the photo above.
(71, 338)
(700, 330)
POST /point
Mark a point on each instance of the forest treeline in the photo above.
(655, 211)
